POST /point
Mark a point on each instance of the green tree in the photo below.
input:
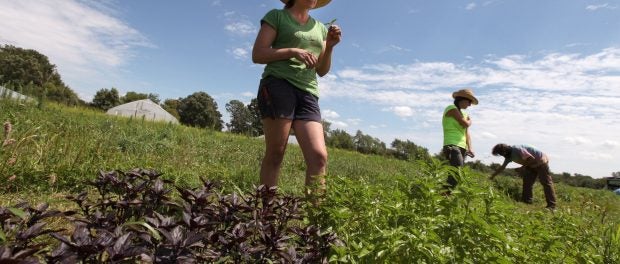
(240, 118)
(367, 144)
(407, 150)
(105, 99)
(133, 96)
(200, 110)
(326, 127)
(172, 106)
(257, 124)
(30, 72)
(340, 139)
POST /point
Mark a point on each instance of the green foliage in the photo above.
(30, 72)
(367, 144)
(257, 124)
(242, 120)
(200, 110)
(406, 219)
(105, 99)
(171, 106)
(133, 96)
(340, 139)
(407, 150)
(384, 210)
(576, 180)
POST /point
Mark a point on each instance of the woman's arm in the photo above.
(325, 59)
(470, 149)
(263, 53)
(456, 114)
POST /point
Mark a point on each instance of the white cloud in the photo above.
(329, 114)
(402, 111)
(248, 94)
(562, 103)
(611, 144)
(577, 140)
(597, 156)
(601, 6)
(241, 27)
(354, 121)
(336, 124)
(488, 135)
(470, 6)
(240, 53)
(84, 41)
(395, 48)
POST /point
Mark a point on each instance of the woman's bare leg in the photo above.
(276, 137)
(312, 142)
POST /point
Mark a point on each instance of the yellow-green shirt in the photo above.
(453, 132)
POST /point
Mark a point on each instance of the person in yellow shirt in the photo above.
(456, 138)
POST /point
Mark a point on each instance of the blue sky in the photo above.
(547, 73)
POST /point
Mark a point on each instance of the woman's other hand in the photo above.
(306, 57)
(333, 36)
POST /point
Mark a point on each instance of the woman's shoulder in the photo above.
(279, 11)
(450, 107)
(274, 12)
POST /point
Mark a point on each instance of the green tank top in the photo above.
(291, 34)
(453, 132)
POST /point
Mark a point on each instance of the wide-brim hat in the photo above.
(319, 3)
(466, 93)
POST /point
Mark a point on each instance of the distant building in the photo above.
(8, 93)
(613, 183)
(146, 109)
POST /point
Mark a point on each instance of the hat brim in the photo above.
(473, 99)
(319, 3)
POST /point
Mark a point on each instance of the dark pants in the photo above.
(529, 178)
(456, 156)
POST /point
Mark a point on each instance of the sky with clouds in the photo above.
(546, 73)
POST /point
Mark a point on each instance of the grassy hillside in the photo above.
(385, 210)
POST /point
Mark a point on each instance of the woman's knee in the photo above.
(318, 159)
(274, 156)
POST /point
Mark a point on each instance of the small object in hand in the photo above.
(330, 23)
(470, 154)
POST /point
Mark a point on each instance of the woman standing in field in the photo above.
(295, 48)
(456, 123)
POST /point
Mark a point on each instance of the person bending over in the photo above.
(535, 165)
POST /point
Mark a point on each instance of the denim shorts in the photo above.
(278, 98)
(455, 154)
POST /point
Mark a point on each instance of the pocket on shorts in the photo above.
(265, 102)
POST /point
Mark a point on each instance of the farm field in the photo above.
(381, 210)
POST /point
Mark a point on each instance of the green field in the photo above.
(384, 210)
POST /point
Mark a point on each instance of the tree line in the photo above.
(30, 73)
(200, 110)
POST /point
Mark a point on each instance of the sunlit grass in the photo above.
(387, 210)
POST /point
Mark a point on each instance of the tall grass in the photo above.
(386, 210)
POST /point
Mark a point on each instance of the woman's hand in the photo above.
(333, 36)
(305, 57)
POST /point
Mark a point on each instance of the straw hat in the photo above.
(319, 3)
(466, 93)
